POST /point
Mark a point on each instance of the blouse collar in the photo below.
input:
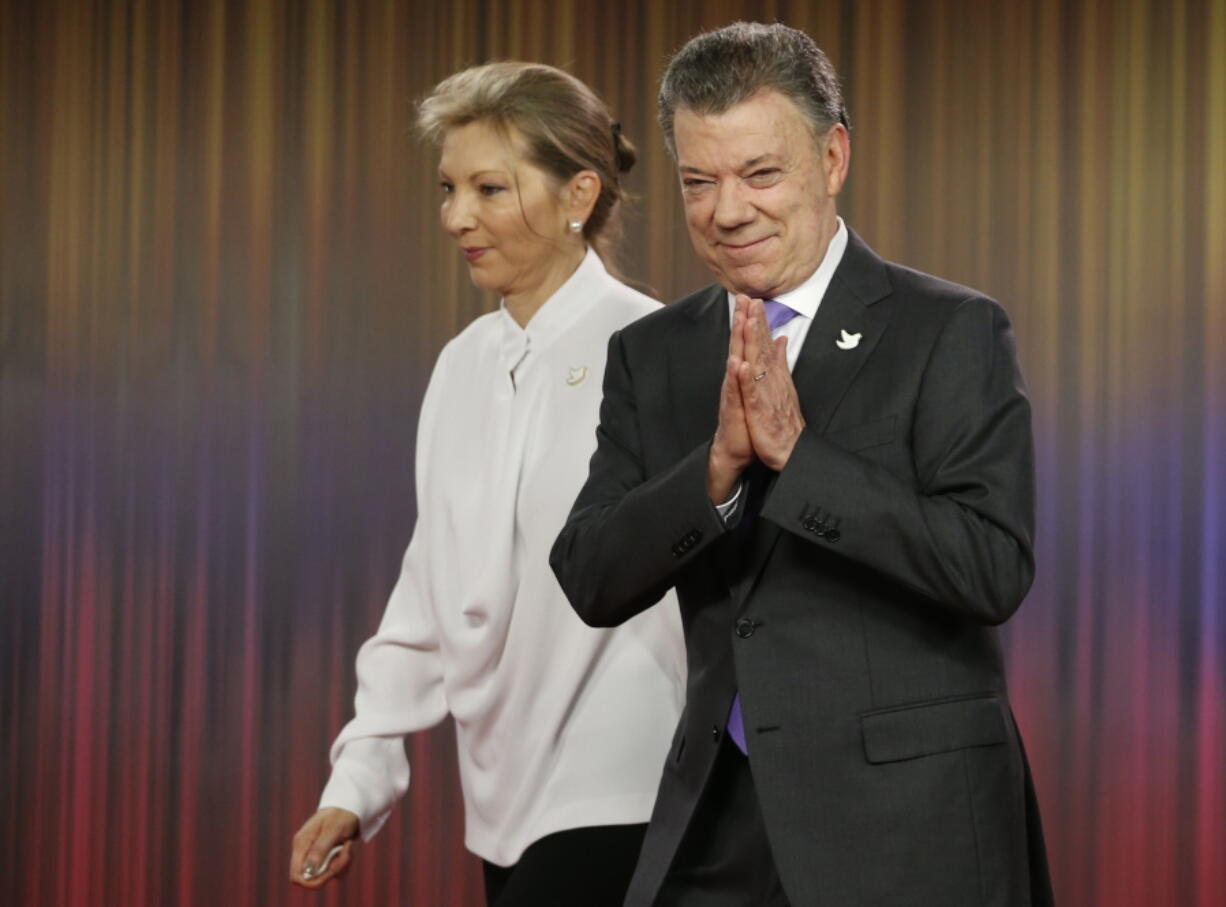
(567, 305)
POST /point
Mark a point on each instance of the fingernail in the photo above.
(308, 870)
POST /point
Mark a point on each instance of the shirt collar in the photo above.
(567, 304)
(808, 296)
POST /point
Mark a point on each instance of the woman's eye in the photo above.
(491, 188)
(447, 188)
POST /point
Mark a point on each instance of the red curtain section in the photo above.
(222, 286)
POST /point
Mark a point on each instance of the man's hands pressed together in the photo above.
(759, 411)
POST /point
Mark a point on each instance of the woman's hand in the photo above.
(319, 834)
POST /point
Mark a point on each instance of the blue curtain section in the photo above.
(222, 288)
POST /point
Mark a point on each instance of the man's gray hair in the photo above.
(719, 69)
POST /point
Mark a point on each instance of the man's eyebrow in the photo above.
(760, 159)
(748, 165)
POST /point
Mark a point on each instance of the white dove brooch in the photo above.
(848, 341)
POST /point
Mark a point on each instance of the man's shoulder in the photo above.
(931, 306)
(921, 286)
(919, 292)
(920, 304)
(677, 315)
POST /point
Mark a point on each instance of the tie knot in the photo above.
(777, 313)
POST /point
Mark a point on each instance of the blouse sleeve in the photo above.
(399, 669)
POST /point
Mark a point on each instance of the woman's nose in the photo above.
(456, 214)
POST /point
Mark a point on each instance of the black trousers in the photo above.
(579, 867)
(725, 857)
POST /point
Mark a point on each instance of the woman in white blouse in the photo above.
(562, 729)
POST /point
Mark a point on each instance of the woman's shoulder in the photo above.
(623, 303)
(476, 342)
(475, 336)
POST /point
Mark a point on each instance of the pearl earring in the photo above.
(576, 226)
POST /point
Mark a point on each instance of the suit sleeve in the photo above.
(963, 536)
(400, 669)
(629, 535)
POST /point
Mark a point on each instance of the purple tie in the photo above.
(777, 315)
(736, 725)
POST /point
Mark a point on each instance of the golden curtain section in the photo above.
(1019, 147)
(222, 286)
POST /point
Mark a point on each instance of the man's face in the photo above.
(759, 191)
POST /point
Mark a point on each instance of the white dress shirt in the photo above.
(804, 300)
(558, 725)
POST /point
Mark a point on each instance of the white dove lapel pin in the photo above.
(848, 341)
(576, 375)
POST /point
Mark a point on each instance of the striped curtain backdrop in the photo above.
(222, 287)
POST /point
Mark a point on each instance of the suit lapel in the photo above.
(825, 369)
(696, 364)
(829, 360)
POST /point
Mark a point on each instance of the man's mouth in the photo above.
(741, 249)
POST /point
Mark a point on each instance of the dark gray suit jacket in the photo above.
(856, 616)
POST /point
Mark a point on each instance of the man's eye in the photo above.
(690, 185)
(764, 175)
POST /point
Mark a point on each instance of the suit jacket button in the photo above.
(810, 524)
(745, 628)
(715, 733)
(833, 535)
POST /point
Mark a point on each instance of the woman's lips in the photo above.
(473, 254)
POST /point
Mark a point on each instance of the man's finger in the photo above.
(732, 388)
(736, 339)
(779, 352)
(750, 391)
(757, 336)
(752, 343)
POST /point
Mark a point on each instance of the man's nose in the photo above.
(732, 208)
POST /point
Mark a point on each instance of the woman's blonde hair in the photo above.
(565, 127)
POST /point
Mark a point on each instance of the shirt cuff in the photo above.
(728, 510)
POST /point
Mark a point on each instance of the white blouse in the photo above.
(559, 725)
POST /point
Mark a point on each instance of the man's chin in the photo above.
(751, 282)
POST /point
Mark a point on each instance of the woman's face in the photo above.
(503, 211)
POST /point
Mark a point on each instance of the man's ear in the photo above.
(836, 158)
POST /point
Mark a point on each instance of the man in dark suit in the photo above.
(829, 456)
